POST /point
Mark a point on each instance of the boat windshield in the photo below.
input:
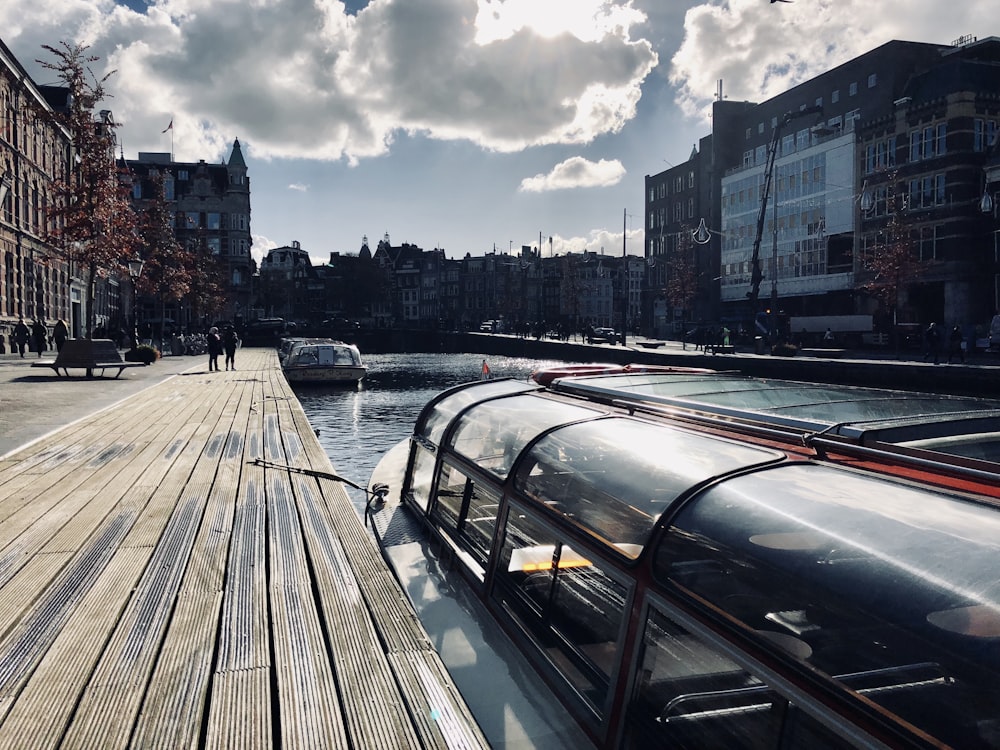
(616, 476)
(493, 433)
(439, 415)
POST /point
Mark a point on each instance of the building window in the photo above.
(168, 189)
(663, 190)
(691, 179)
(678, 184)
(192, 219)
(942, 138)
(774, 122)
(835, 96)
(182, 174)
(916, 145)
(748, 134)
(213, 220)
(872, 80)
(850, 118)
(984, 134)
(853, 89)
(137, 191)
(819, 101)
(690, 208)
(652, 194)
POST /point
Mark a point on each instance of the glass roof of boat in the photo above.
(892, 574)
(616, 476)
(850, 411)
(437, 415)
(494, 433)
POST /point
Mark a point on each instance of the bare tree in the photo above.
(681, 286)
(91, 221)
(166, 272)
(206, 292)
(891, 264)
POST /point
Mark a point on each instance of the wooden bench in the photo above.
(89, 355)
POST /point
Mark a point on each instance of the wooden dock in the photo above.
(158, 589)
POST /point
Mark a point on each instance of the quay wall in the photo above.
(981, 377)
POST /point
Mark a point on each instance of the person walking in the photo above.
(214, 349)
(955, 345)
(60, 333)
(230, 342)
(38, 336)
(20, 336)
(932, 338)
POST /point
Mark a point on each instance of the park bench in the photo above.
(89, 355)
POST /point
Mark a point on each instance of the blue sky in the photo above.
(460, 124)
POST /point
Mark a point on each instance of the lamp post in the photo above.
(624, 276)
(134, 271)
(756, 275)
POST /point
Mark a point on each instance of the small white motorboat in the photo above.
(323, 361)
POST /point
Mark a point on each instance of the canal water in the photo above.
(357, 426)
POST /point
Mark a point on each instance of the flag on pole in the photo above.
(170, 126)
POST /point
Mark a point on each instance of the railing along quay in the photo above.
(159, 588)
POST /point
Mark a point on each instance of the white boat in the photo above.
(323, 361)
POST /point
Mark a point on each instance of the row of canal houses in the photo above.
(406, 286)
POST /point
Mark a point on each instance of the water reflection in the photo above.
(357, 426)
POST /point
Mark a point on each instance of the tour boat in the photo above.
(699, 559)
(323, 361)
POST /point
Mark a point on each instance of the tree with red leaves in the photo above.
(91, 221)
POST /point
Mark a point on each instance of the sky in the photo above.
(466, 125)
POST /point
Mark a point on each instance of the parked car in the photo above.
(603, 336)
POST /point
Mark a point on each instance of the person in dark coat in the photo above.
(20, 336)
(214, 349)
(230, 342)
(955, 345)
(38, 336)
(60, 333)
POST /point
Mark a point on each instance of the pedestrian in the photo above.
(932, 340)
(38, 336)
(20, 336)
(60, 333)
(828, 338)
(230, 342)
(955, 345)
(214, 349)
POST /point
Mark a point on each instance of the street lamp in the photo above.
(624, 276)
(756, 275)
(134, 271)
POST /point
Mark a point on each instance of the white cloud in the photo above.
(760, 49)
(261, 246)
(575, 172)
(304, 79)
(299, 187)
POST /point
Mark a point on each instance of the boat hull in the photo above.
(325, 375)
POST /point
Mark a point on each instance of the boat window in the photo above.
(690, 695)
(572, 609)
(441, 413)
(890, 589)
(494, 433)
(614, 477)
(423, 473)
(467, 512)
